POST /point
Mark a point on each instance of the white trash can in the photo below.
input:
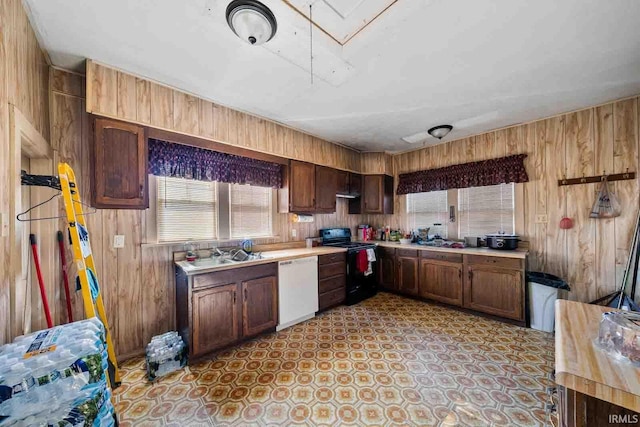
(543, 292)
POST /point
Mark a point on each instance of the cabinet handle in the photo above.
(245, 294)
(234, 297)
(470, 275)
(460, 274)
(141, 190)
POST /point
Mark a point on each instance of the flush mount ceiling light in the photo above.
(252, 21)
(440, 131)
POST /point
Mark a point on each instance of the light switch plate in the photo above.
(542, 219)
(118, 241)
(4, 224)
(294, 232)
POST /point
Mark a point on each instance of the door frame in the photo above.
(24, 139)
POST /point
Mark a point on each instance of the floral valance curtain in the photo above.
(475, 174)
(177, 160)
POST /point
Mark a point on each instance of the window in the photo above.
(186, 209)
(485, 210)
(426, 209)
(250, 211)
(197, 210)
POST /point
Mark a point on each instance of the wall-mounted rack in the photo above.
(599, 178)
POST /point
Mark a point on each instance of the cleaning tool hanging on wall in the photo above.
(606, 204)
(43, 292)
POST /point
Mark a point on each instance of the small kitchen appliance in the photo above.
(502, 241)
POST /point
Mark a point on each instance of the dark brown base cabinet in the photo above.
(486, 284)
(214, 310)
(332, 280)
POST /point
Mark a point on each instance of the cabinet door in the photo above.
(387, 270)
(342, 182)
(441, 282)
(326, 181)
(119, 165)
(408, 275)
(259, 305)
(302, 187)
(373, 193)
(215, 318)
(494, 291)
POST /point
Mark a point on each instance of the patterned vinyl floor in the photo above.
(387, 361)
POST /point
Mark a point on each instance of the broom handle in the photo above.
(43, 292)
(631, 254)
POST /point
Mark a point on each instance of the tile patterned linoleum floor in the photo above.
(387, 361)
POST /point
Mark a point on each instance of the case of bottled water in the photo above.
(56, 377)
(165, 353)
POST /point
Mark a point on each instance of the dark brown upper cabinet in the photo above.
(119, 166)
(311, 188)
(348, 184)
(325, 189)
(376, 196)
(302, 187)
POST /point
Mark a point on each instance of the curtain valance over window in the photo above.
(184, 161)
(475, 174)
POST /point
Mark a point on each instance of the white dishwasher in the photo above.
(297, 291)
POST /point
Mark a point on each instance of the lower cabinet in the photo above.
(441, 281)
(259, 305)
(215, 318)
(214, 310)
(387, 269)
(332, 280)
(407, 264)
(495, 290)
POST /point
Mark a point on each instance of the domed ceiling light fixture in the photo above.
(252, 21)
(440, 131)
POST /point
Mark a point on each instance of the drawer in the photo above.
(329, 270)
(441, 256)
(331, 283)
(331, 298)
(411, 253)
(386, 252)
(235, 275)
(512, 263)
(331, 258)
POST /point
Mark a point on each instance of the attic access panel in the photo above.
(342, 19)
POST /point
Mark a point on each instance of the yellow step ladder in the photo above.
(83, 258)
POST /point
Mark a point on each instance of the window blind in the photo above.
(426, 209)
(250, 211)
(186, 209)
(486, 210)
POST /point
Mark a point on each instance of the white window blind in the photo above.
(186, 209)
(426, 209)
(250, 211)
(486, 210)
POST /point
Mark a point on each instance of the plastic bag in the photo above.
(606, 204)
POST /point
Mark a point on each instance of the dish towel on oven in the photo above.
(361, 261)
(371, 257)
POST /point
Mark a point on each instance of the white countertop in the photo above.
(518, 253)
(269, 256)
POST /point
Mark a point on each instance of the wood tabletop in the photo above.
(582, 366)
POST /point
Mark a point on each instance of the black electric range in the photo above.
(360, 284)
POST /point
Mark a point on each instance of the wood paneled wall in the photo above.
(592, 255)
(115, 94)
(377, 163)
(24, 81)
(137, 281)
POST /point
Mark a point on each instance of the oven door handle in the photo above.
(347, 269)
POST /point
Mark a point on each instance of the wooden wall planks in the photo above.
(115, 94)
(592, 255)
(24, 82)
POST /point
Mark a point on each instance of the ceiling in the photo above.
(383, 69)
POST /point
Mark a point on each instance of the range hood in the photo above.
(348, 196)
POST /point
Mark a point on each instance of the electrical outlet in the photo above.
(294, 232)
(542, 219)
(4, 224)
(118, 241)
